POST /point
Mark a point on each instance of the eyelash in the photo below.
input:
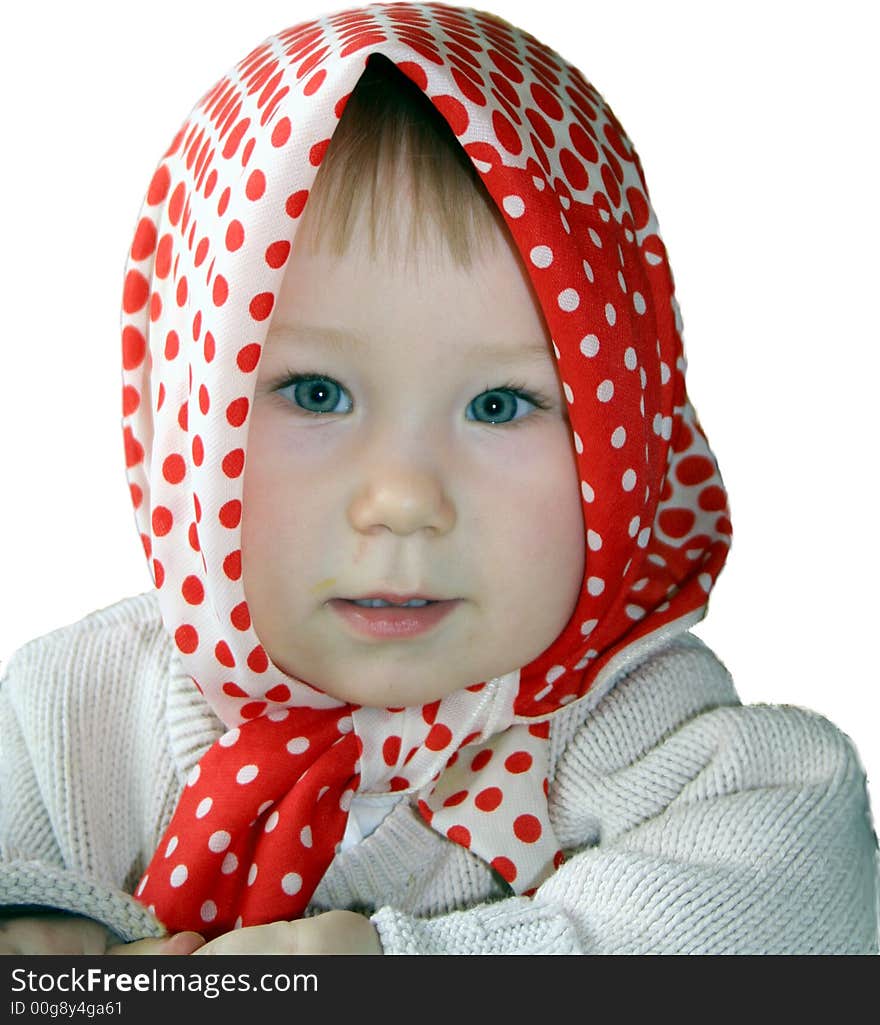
(540, 401)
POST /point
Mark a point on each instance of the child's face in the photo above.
(381, 473)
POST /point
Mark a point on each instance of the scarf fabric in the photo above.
(263, 813)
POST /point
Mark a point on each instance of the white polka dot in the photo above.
(706, 582)
(666, 430)
(345, 800)
(271, 822)
(628, 480)
(482, 165)
(298, 745)
(230, 737)
(621, 281)
(230, 864)
(252, 874)
(238, 923)
(605, 391)
(193, 776)
(610, 314)
(305, 836)
(321, 793)
(219, 841)
(542, 693)
(594, 540)
(588, 626)
(567, 699)
(640, 585)
(541, 256)
(568, 300)
(564, 202)
(569, 394)
(587, 492)
(171, 847)
(578, 444)
(639, 303)
(565, 225)
(265, 806)
(644, 537)
(595, 585)
(665, 373)
(635, 611)
(204, 807)
(590, 345)
(657, 425)
(554, 674)
(345, 725)
(278, 715)
(594, 236)
(630, 360)
(141, 886)
(539, 183)
(643, 377)
(618, 438)
(555, 348)
(246, 774)
(581, 663)
(514, 206)
(633, 526)
(291, 883)
(208, 911)
(588, 271)
(178, 876)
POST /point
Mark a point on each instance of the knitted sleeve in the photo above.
(739, 830)
(71, 821)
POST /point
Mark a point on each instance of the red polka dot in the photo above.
(519, 762)
(261, 305)
(175, 204)
(488, 799)
(460, 835)
(198, 450)
(429, 712)
(527, 828)
(234, 235)
(237, 411)
(135, 292)
(232, 565)
(677, 523)
(505, 868)
(253, 709)
(172, 345)
(540, 729)
(159, 186)
(230, 514)
(426, 813)
(144, 239)
(546, 101)
(439, 737)
(316, 153)
(204, 399)
(415, 72)
(391, 750)
(193, 535)
(233, 463)
(281, 692)
(164, 251)
(507, 134)
(220, 290)
(315, 82)
(480, 760)
(296, 203)
(249, 357)
(162, 520)
(193, 591)
(281, 132)
(158, 573)
(134, 451)
(186, 638)
(202, 251)
(223, 655)
(257, 660)
(209, 347)
(453, 111)
(234, 691)
(240, 616)
(174, 469)
(456, 798)
(130, 400)
(134, 348)
(694, 470)
(256, 185)
(182, 291)
(398, 783)
(277, 253)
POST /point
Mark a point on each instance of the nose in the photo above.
(403, 500)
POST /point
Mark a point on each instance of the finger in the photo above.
(181, 943)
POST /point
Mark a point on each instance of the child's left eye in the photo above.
(501, 406)
(315, 393)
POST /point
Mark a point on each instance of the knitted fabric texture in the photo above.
(265, 809)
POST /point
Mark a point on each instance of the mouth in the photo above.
(392, 616)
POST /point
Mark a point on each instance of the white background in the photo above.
(757, 127)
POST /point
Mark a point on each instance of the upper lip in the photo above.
(397, 599)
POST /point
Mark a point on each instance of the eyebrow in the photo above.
(339, 338)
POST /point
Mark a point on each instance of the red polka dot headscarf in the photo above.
(263, 813)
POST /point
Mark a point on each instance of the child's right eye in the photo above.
(316, 394)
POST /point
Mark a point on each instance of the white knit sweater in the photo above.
(691, 823)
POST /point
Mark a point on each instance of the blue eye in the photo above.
(499, 406)
(317, 394)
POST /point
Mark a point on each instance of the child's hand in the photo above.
(69, 934)
(334, 932)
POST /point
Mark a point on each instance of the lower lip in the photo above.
(391, 623)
